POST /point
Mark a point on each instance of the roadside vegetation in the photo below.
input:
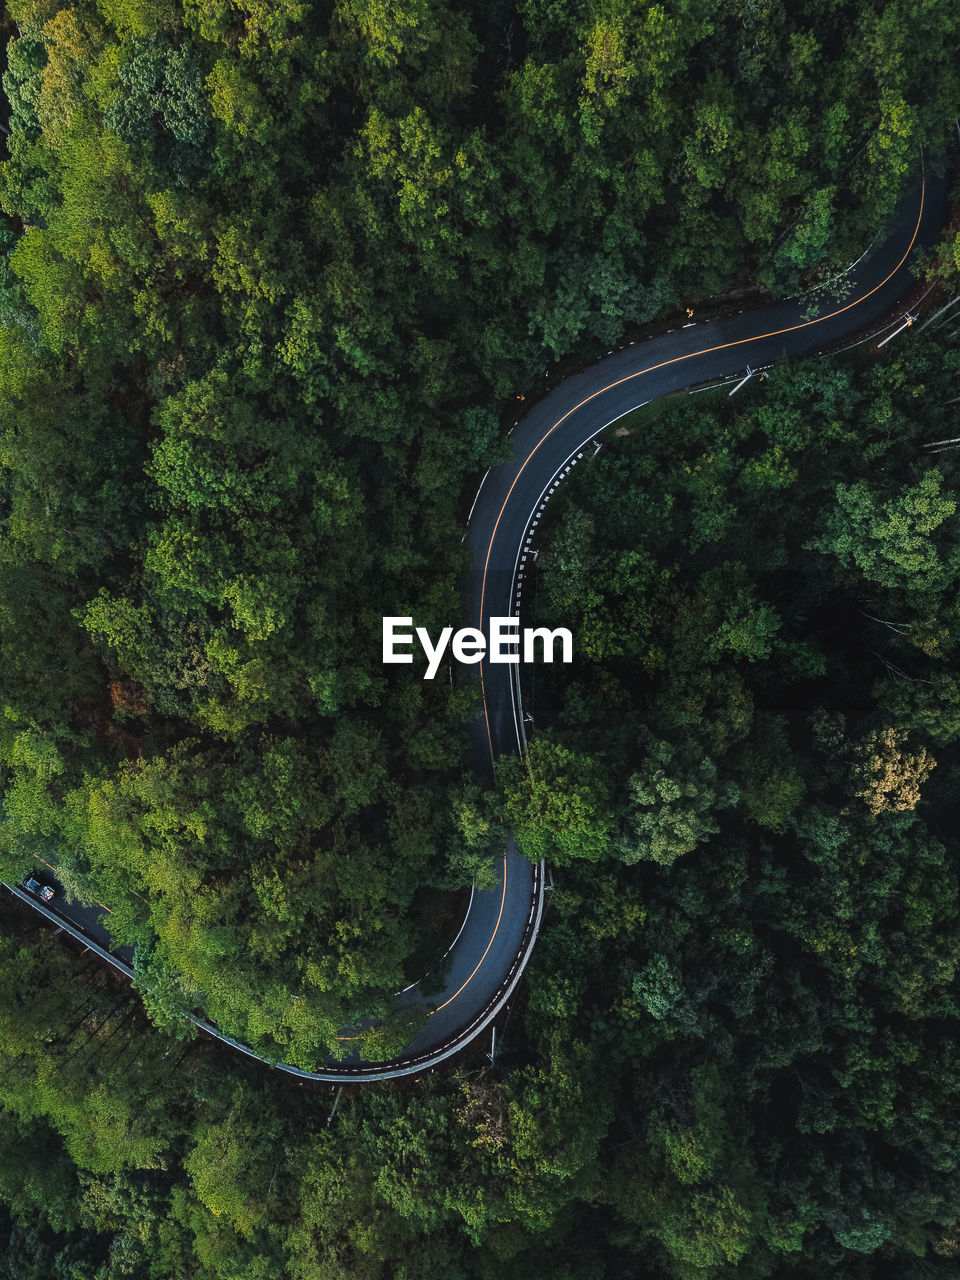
(736, 1053)
(272, 276)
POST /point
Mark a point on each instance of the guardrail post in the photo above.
(750, 373)
(493, 1045)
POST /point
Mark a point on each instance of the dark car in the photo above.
(43, 891)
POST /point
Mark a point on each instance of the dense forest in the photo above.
(737, 1055)
(272, 277)
(272, 273)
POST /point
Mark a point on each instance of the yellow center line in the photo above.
(483, 586)
(721, 346)
(503, 899)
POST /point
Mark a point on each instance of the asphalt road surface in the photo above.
(498, 934)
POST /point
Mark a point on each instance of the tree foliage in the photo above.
(271, 277)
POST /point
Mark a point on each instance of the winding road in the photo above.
(492, 948)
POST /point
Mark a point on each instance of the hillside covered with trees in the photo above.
(271, 274)
(737, 1056)
(271, 279)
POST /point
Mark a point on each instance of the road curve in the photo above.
(490, 952)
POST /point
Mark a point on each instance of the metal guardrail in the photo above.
(394, 1069)
(69, 927)
(406, 1065)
